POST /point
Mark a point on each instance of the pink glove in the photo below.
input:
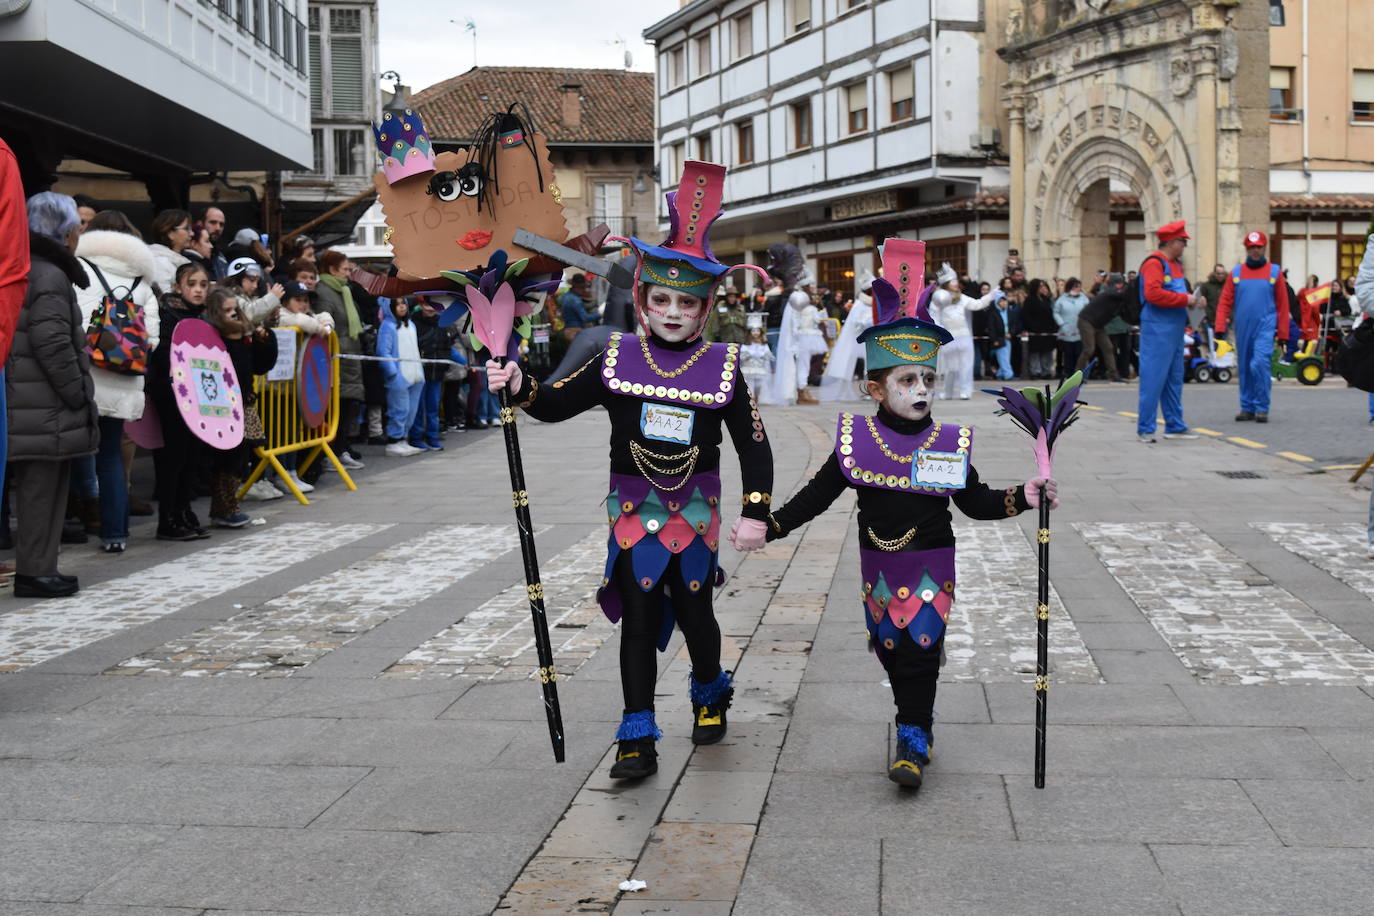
(507, 376)
(748, 534)
(1051, 490)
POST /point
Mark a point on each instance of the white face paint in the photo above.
(905, 391)
(672, 315)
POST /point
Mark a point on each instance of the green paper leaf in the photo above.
(1069, 383)
(516, 268)
(456, 277)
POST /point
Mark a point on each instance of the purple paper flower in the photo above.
(181, 357)
(182, 391)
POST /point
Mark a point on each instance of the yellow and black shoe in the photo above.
(913, 756)
(635, 758)
(709, 703)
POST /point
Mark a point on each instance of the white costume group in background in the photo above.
(799, 339)
(950, 307)
(838, 382)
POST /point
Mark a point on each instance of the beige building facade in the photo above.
(1160, 101)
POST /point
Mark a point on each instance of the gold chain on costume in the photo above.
(685, 466)
(649, 358)
(894, 545)
(900, 459)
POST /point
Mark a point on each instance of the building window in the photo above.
(337, 62)
(798, 18)
(674, 157)
(953, 253)
(1350, 252)
(852, 4)
(317, 148)
(701, 50)
(902, 90)
(349, 152)
(379, 237)
(608, 206)
(1281, 95)
(1362, 95)
(836, 272)
(742, 30)
(744, 133)
(703, 143)
(801, 125)
(676, 73)
(856, 100)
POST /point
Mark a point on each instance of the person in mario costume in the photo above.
(1165, 299)
(1255, 300)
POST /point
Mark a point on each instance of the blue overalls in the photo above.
(1161, 360)
(1256, 319)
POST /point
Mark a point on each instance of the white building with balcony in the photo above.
(842, 122)
(345, 101)
(156, 90)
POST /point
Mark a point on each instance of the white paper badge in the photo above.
(666, 423)
(939, 469)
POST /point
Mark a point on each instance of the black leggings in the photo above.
(642, 620)
(913, 672)
(175, 462)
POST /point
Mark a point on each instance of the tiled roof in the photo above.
(617, 105)
(1330, 202)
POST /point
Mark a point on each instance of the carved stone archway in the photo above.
(1154, 95)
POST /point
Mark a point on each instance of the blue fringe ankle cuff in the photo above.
(913, 736)
(709, 694)
(638, 725)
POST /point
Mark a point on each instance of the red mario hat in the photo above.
(1170, 231)
(1256, 238)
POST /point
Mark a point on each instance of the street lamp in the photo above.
(398, 101)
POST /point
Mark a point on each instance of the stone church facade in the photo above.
(1164, 101)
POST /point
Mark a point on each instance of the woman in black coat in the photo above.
(1037, 317)
(52, 410)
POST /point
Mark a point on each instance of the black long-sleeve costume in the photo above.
(643, 611)
(888, 514)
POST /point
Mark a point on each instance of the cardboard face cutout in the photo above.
(471, 204)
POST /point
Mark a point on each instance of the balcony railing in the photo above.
(625, 226)
(272, 26)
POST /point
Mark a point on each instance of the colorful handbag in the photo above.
(117, 338)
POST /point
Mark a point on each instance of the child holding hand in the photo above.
(907, 469)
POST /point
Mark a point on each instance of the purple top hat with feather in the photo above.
(903, 333)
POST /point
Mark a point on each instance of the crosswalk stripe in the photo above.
(1226, 622)
(310, 621)
(47, 629)
(495, 640)
(991, 635)
(1340, 549)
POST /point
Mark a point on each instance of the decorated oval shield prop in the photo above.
(205, 385)
(314, 380)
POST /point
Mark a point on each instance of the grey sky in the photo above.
(419, 41)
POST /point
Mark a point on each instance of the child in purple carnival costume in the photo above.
(906, 468)
(668, 395)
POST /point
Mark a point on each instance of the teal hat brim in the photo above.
(677, 274)
(904, 342)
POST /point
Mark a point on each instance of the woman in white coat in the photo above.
(950, 307)
(112, 247)
(838, 382)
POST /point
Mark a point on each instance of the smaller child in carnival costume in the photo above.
(669, 397)
(907, 468)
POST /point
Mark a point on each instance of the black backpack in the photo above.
(1355, 359)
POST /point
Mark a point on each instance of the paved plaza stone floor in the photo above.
(334, 713)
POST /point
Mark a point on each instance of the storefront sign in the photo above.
(864, 205)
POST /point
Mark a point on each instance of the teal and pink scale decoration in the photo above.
(655, 525)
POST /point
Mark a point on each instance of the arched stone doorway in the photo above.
(1111, 135)
(1153, 96)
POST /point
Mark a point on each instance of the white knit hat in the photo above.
(947, 274)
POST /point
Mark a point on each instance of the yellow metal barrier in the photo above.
(286, 431)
